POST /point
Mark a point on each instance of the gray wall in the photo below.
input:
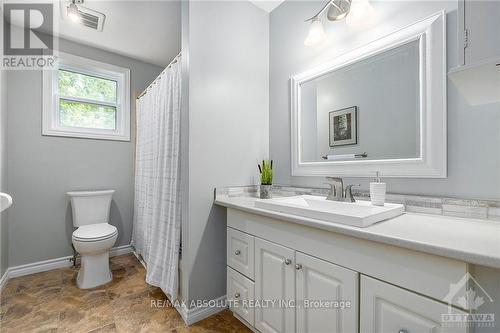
(228, 53)
(4, 245)
(473, 139)
(43, 168)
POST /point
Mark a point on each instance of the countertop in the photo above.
(473, 241)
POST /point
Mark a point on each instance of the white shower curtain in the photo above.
(157, 209)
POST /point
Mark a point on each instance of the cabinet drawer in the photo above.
(240, 252)
(386, 308)
(240, 290)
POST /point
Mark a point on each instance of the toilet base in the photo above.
(94, 271)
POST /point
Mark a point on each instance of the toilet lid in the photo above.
(95, 231)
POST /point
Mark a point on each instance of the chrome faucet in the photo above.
(337, 191)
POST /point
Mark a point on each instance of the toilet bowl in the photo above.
(94, 236)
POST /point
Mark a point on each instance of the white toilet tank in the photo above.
(90, 207)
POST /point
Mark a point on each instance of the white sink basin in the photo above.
(358, 214)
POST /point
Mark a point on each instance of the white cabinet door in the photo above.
(274, 284)
(240, 292)
(481, 18)
(319, 285)
(386, 308)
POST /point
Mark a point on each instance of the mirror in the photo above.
(371, 107)
(377, 108)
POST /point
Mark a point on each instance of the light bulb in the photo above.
(316, 34)
(73, 13)
(361, 13)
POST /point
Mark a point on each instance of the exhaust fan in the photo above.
(87, 17)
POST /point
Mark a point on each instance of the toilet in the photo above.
(94, 236)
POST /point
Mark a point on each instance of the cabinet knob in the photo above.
(288, 261)
(237, 252)
(237, 295)
(403, 331)
(298, 266)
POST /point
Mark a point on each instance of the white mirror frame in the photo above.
(431, 34)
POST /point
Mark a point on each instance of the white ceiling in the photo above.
(146, 30)
(267, 5)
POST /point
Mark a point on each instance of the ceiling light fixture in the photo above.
(73, 13)
(83, 16)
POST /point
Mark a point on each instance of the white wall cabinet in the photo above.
(386, 308)
(478, 29)
(305, 280)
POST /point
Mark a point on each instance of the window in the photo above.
(86, 99)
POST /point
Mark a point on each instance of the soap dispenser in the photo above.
(377, 191)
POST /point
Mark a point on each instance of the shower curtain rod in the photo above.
(160, 75)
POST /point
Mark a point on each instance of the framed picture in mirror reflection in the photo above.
(343, 126)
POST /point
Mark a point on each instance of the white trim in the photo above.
(50, 117)
(121, 250)
(4, 279)
(194, 315)
(40, 266)
(47, 265)
(431, 34)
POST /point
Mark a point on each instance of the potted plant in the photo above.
(266, 178)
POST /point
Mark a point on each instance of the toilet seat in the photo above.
(94, 232)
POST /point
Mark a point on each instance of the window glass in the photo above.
(79, 85)
(86, 115)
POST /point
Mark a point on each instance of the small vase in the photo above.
(265, 191)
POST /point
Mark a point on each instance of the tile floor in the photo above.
(51, 302)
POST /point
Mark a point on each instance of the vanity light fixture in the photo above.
(356, 12)
(316, 34)
(336, 10)
(361, 13)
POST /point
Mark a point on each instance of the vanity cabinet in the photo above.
(478, 27)
(294, 289)
(291, 278)
(386, 308)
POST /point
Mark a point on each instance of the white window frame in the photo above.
(50, 113)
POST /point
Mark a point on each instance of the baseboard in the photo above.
(196, 314)
(48, 265)
(4, 279)
(250, 327)
(193, 315)
(120, 250)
